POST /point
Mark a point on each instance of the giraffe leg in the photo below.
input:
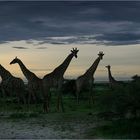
(18, 96)
(60, 100)
(49, 97)
(78, 91)
(29, 98)
(3, 93)
(91, 96)
(45, 108)
(77, 97)
(45, 91)
(22, 97)
(45, 104)
(33, 96)
(61, 103)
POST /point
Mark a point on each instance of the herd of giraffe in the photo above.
(13, 85)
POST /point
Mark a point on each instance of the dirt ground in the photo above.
(46, 127)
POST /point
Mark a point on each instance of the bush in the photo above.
(123, 100)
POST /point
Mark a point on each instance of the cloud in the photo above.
(20, 47)
(87, 39)
(32, 20)
(41, 48)
(93, 11)
(98, 39)
(3, 42)
(120, 38)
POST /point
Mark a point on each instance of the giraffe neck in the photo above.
(93, 67)
(5, 74)
(62, 68)
(28, 74)
(111, 79)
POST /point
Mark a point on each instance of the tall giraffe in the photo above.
(55, 78)
(112, 81)
(87, 79)
(34, 83)
(12, 85)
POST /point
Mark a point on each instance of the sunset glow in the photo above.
(42, 34)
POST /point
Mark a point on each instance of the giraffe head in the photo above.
(101, 54)
(108, 66)
(15, 60)
(74, 51)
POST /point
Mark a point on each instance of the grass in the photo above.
(23, 115)
(106, 100)
(119, 129)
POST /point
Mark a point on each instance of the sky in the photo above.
(42, 34)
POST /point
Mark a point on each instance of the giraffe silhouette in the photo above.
(12, 85)
(87, 79)
(112, 81)
(34, 83)
(55, 78)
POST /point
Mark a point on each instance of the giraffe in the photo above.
(55, 78)
(34, 83)
(12, 84)
(112, 81)
(86, 80)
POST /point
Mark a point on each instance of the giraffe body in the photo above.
(34, 83)
(112, 81)
(87, 79)
(55, 78)
(12, 85)
(83, 82)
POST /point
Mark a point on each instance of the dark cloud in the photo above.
(118, 21)
(104, 39)
(3, 42)
(119, 38)
(42, 48)
(20, 47)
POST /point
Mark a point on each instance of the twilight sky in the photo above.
(42, 34)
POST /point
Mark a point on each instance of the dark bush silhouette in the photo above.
(122, 100)
(69, 87)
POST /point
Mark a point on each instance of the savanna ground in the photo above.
(114, 114)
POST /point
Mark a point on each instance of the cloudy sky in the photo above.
(114, 22)
(37, 31)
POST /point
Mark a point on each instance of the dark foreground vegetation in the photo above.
(114, 114)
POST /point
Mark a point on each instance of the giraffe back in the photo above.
(13, 83)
